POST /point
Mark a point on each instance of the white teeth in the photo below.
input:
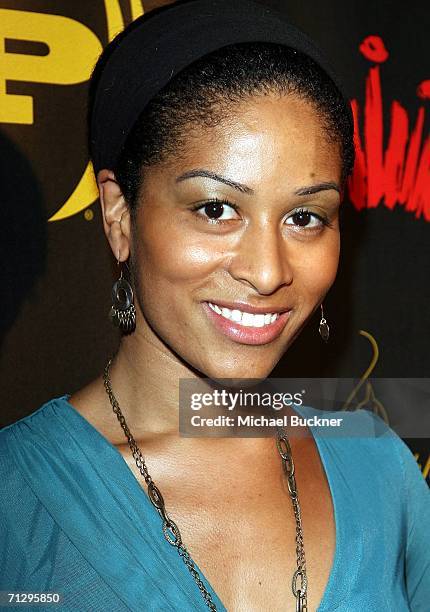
(236, 316)
(245, 318)
(259, 320)
(215, 307)
(248, 319)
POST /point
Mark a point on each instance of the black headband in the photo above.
(155, 47)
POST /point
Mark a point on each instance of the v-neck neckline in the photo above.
(336, 578)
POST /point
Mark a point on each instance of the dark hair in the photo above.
(208, 89)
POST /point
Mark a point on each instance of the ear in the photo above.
(115, 214)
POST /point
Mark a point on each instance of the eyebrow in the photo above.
(309, 190)
(316, 188)
(215, 177)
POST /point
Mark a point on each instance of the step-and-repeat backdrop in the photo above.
(56, 269)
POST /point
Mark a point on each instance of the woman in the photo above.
(221, 144)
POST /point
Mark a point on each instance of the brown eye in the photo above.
(302, 218)
(214, 210)
(306, 219)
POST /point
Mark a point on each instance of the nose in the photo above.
(260, 259)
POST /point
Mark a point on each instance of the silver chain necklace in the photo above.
(171, 531)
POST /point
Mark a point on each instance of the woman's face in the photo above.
(236, 241)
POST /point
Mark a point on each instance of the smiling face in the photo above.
(236, 241)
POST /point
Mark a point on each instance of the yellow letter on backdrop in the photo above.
(73, 50)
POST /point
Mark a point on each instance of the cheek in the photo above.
(170, 259)
(316, 267)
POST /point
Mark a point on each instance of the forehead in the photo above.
(268, 140)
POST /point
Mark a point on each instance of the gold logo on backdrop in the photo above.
(368, 399)
(64, 64)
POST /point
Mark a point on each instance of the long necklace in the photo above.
(171, 531)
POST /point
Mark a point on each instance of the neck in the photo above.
(145, 377)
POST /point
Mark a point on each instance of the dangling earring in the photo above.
(123, 313)
(324, 329)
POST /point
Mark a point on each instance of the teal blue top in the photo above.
(74, 520)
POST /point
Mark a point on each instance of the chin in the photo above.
(237, 375)
(239, 383)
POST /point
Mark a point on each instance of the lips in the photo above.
(247, 324)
